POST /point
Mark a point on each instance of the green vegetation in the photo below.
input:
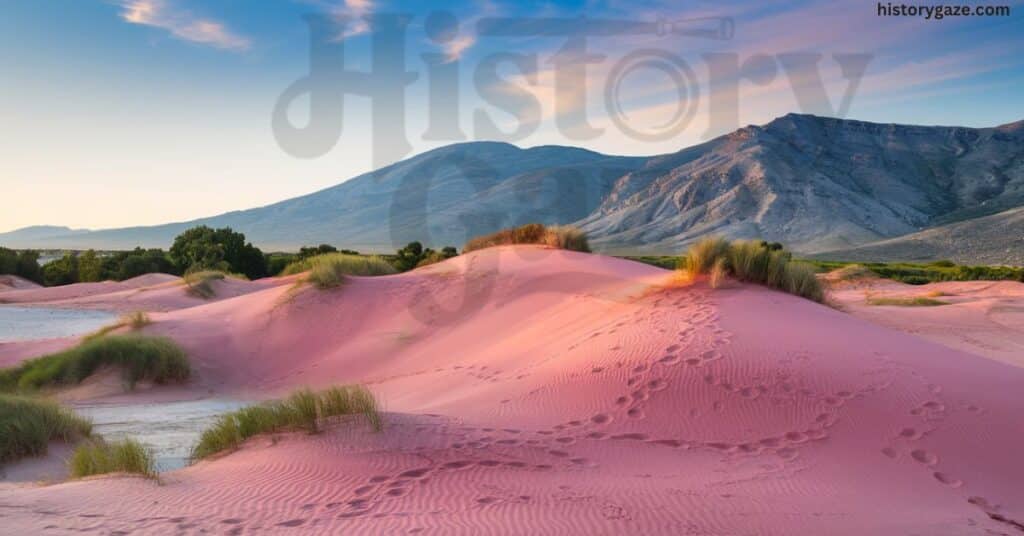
(755, 262)
(303, 410)
(200, 283)
(22, 264)
(135, 321)
(910, 273)
(414, 255)
(27, 425)
(329, 270)
(224, 250)
(905, 301)
(923, 273)
(97, 457)
(564, 237)
(155, 359)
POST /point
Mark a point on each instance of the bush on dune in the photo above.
(97, 457)
(329, 270)
(27, 425)
(155, 359)
(200, 283)
(754, 262)
(563, 237)
(303, 410)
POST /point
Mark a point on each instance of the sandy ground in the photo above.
(981, 317)
(531, 391)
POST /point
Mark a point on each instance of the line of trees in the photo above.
(197, 249)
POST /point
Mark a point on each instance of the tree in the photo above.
(62, 271)
(205, 248)
(306, 252)
(90, 267)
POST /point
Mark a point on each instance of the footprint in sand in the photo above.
(948, 480)
(925, 457)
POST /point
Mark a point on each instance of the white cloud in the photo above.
(182, 24)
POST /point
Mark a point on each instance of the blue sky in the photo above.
(125, 112)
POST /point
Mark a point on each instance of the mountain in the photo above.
(817, 184)
(993, 239)
(40, 232)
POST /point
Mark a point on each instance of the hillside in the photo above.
(817, 184)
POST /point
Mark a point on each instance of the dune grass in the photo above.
(329, 270)
(754, 262)
(200, 284)
(562, 236)
(904, 301)
(852, 272)
(135, 321)
(27, 425)
(156, 359)
(97, 457)
(303, 410)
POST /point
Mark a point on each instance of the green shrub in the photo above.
(27, 425)
(754, 262)
(139, 357)
(97, 457)
(564, 237)
(303, 410)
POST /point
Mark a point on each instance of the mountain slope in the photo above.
(994, 239)
(816, 184)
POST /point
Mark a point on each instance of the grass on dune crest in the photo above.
(561, 236)
(155, 359)
(135, 321)
(303, 410)
(97, 457)
(200, 283)
(905, 301)
(754, 262)
(329, 270)
(27, 425)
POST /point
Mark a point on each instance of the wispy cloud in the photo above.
(182, 24)
(453, 49)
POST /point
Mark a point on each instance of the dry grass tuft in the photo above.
(561, 236)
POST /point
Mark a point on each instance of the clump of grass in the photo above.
(27, 425)
(329, 270)
(936, 294)
(852, 272)
(563, 237)
(303, 410)
(567, 237)
(905, 301)
(200, 284)
(98, 457)
(135, 321)
(156, 359)
(754, 262)
(702, 256)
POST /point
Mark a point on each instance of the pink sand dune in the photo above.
(982, 317)
(150, 292)
(533, 391)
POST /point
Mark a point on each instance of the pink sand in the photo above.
(578, 394)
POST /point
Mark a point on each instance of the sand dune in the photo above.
(533, 391)
(981, 317)
(150, 292)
